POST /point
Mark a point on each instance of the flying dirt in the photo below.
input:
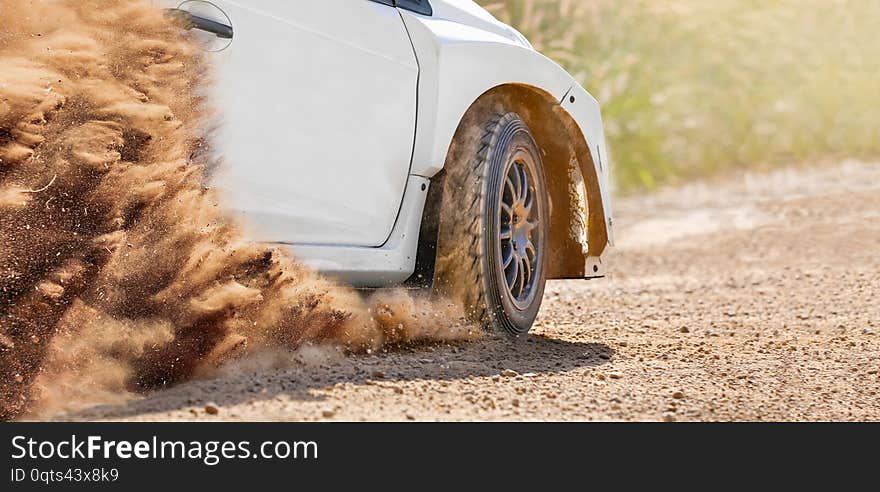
(746, 297)
(119, 271)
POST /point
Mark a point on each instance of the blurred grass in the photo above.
(693, 87)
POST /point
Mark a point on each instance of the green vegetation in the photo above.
(695, 87)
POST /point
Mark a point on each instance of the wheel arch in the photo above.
(578, 228)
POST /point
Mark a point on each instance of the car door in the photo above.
(318, 107)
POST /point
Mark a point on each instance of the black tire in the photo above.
(492, 241)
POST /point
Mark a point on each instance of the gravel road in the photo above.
(751, 298)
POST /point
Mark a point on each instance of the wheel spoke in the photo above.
(506, 233)
(521, 278)
(510, 186)
(506, 209)
(530, 248)
(527, 271)
(524, 180)
(512, 274)
(528, 205)
(508, 261)
(532, 224)
(518, 182)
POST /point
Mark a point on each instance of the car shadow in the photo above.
(528, 356)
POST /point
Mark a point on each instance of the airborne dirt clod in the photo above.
(119, 272)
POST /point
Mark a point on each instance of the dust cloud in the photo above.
(119, 271)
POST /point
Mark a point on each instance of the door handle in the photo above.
(195, 22)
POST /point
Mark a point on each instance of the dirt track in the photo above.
(754, 299)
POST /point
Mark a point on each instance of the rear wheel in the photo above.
(492, 244)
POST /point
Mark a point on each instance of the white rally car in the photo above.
(408, 142)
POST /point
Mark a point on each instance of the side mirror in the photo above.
(220, 30)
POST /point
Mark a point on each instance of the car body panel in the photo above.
(319, 107)
(391, 264)
(587, 113)
(461, 62)
(346, 212)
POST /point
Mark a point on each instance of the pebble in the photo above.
(328, 413)
(685, 329)
(379, 374)
(509, 373)
(615, 375)
(212, 409)
(678, 395)
(668, 417)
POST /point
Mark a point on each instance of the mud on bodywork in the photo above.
(578, 235)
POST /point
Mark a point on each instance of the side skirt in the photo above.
(388, 265)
